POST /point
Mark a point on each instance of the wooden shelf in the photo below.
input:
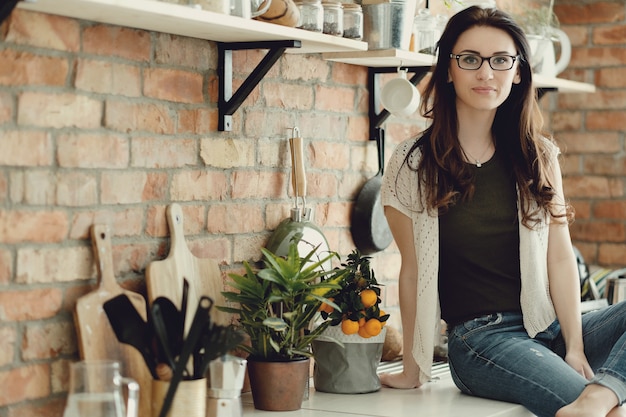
(171, 18)
(396, 57)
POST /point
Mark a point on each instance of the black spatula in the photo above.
(131, 329)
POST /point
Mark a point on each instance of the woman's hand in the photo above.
(400, 380)
(578, 361)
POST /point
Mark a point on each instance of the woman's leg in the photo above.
(604, 333)
(595, 400)
(494, 357)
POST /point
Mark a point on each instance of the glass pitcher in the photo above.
(96, 391)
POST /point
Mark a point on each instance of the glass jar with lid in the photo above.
(311, 15)
(333, 18)
(424, 32)
(352, 21)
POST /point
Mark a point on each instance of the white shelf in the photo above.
(186, 21)
(381, 58)
(398, 57)
(171, 18)
(562, 85)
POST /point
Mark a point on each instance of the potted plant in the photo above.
(537, 19)
(275, 307)
(547, 42)
(357, 322)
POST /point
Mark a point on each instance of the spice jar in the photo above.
(311, 15)
(352, 21)
(333, 18)
(424, 32)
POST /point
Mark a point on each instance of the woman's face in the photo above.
(483, 88)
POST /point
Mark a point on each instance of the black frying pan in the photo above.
(6, 8)
(369, 227)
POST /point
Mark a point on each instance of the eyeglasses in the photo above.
(474, 62)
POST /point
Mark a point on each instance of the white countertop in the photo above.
(439, 398)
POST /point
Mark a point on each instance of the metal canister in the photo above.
(388, 24)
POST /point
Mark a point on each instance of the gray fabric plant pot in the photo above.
(350, 369)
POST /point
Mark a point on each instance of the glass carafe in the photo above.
(96, 390)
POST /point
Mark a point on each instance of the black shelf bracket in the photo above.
(541, 91)
(377, 116)
(229, 101)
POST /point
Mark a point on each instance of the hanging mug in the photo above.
(399, 96)
(249, 9)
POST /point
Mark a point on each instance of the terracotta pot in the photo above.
(278, 386)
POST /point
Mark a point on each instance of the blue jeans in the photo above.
(493, 357)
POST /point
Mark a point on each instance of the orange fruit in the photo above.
(373, 327)
(368, 298)
(363, 333)
(327, 307)
(362, 322)
(349, 326)
(382, 313)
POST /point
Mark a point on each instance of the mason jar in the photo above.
(352, 21)
(311, 15)
(333, 18)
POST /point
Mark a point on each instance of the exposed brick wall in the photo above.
(591, 128)
(101, 124)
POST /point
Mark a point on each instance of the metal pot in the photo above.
(299, 227)
(388, 23)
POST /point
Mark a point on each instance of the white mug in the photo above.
(399, 96)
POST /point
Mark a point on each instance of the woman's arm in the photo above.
(401, 227)
(565, 284)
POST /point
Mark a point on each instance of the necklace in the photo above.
(472, 157)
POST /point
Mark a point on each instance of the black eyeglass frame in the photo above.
(483, 59)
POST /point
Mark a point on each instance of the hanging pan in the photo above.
(299, 226)
(369, 227)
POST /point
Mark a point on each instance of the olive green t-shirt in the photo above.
(479, 270)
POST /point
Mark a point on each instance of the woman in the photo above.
(477, 210)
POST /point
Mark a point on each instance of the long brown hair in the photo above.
(445, 177)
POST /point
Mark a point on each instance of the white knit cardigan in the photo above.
(399, 190)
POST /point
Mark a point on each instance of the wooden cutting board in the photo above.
(96, 339)
(165, 277)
